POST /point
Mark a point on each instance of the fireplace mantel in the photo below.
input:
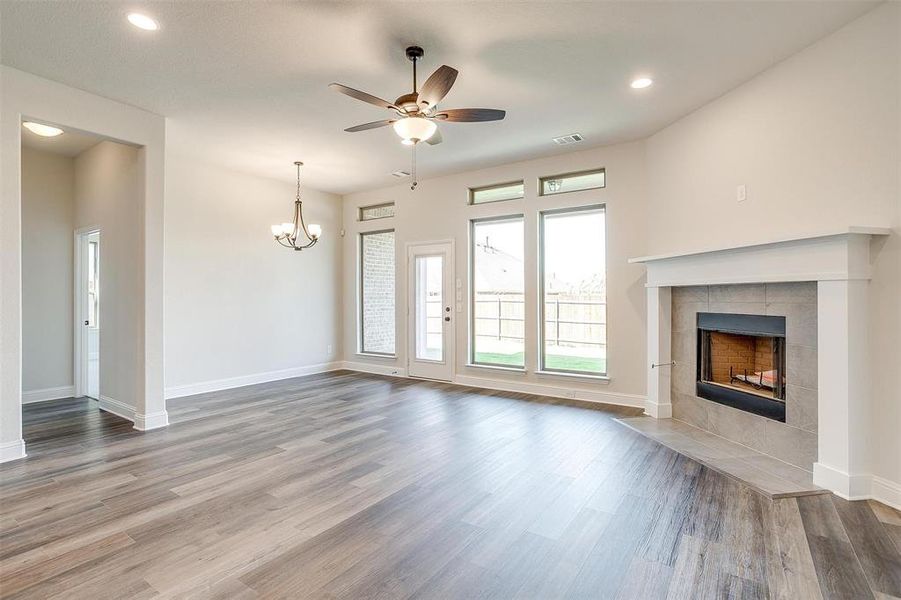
(839, 261)
(826, 256)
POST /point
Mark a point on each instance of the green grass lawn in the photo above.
(553, 361)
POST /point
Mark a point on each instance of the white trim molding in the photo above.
(156, 420)
(553, 391)
(857, 487)
(375, 369)
(120, 409)
(215, 385)
(12, 450)
(47, 394)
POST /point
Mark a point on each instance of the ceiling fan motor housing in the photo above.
(415, 53)
(409, 103)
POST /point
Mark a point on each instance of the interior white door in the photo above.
(430, 311)
(89, 313)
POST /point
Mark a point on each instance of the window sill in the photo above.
(374, 355)
(496, 368)
(598, 378)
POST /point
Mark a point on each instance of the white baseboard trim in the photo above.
(886, 491)
(120, 409)
(375, 369)
(47, 394)
(12, 450)
(857, 487)
(658, 411)
(554, 391)
(216, 385)
(155, 420)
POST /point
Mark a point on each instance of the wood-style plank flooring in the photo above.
(358, 486)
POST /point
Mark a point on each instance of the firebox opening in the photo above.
(741, 362)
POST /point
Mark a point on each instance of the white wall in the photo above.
(438, 210)
(48, 217)
(109, 178)
(26, 95)
(816, 140)
(239, 307)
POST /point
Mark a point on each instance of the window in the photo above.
(377, 292)
(378, 211)
(572, 182)
(93, 283)
(574, 290)
(497, 192)
(498, 292)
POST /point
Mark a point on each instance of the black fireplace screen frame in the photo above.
(747, 325)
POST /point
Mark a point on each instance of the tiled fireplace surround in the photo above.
(820, 283)
(794, 441)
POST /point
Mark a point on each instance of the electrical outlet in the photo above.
(741, 193)
(328, 349)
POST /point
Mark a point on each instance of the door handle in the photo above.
(447, 319)
(87, 322)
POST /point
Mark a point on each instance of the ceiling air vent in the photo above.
(573, 138)
(400, 174)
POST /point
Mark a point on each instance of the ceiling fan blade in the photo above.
(435, 139)
(349, 91)
(365, 126)
(470, 115)
(437, 85)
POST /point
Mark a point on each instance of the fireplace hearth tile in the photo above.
(685, 316)
(801, 365)
(800, 322)
(744, 293)
(739, 308)
(690, 409)
(804, 292)
(790, 444)
(801, 408)
(692, 293)
(765, 474)
(736, 425)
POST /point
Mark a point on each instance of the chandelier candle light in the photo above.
(288, 234)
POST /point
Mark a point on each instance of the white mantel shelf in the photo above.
(853, 229)
(840, 262)
(837, 255)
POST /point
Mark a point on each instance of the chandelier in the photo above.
(289, 234)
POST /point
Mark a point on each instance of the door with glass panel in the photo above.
(87, 338)
(430, 310)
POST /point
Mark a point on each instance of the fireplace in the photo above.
(741, 362)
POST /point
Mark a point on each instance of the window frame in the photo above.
(360, 210)
(472, 292)
(361, 347)
(494, 186)
(542, 321)
(541, 181)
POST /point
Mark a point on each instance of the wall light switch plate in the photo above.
(741, 193)
(459, 283)
(459, 307)
(459, 295)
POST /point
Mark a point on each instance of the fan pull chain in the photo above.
(413, 169)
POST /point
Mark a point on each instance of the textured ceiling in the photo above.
(245, 83)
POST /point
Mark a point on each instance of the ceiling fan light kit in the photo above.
(416, 113)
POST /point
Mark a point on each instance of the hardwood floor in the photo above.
(349, 486)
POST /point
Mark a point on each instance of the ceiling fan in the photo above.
(415, 114)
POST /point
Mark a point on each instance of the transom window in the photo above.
(572, 182)
(377, 211)
(497, 192)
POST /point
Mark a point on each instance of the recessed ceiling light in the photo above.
(641, 83)
(143, 22)
(41, 129)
